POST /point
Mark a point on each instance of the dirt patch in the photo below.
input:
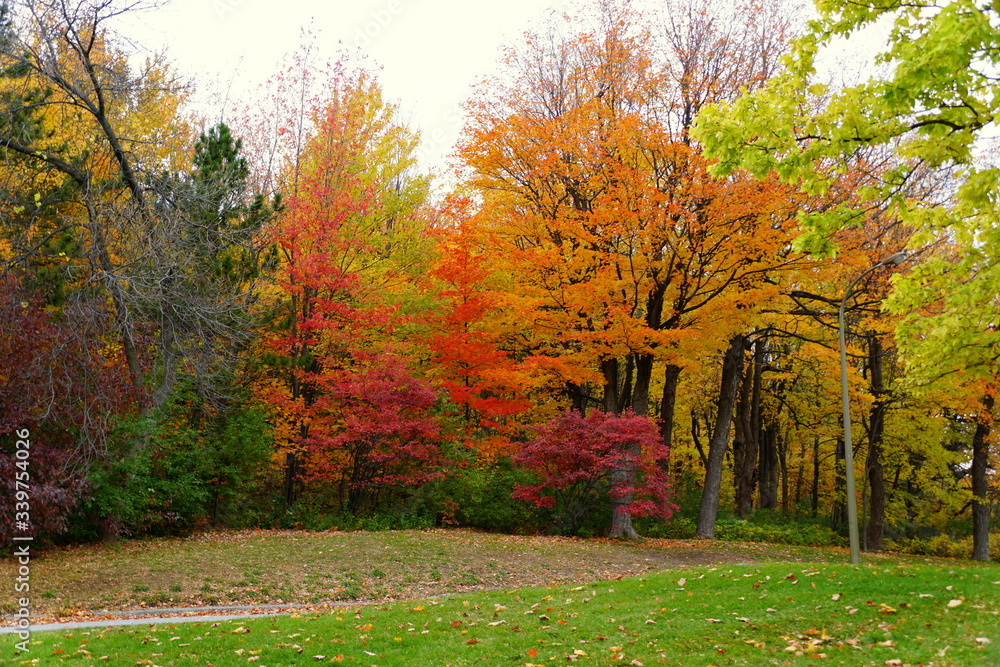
(295, 567)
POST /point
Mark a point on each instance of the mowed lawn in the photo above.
(749, 605)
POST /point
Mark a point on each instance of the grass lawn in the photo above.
(888, 611)
(298, 567)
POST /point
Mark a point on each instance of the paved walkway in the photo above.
(182, 615)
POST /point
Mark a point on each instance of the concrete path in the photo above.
(180, 615)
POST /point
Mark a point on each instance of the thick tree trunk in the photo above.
(621, 519)
(624, 476)
(769, 463)
(577, 397)
(876, 428)
(980, 466)
(732, 365)
(643, 378)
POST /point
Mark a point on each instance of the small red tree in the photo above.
(386, 437)
(582, 460)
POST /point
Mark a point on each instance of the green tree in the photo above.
(931, 104)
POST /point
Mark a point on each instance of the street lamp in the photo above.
(852, 505)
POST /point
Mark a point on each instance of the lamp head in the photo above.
(895, 259)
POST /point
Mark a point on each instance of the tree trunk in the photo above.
(643, 377)
(671, 377)
(782, 449)
(800, 476)
(732, 366)
(838, 514)
(614, 403)
(745, 442)
(768, 468)
(621, 519)
(609, 369)
(876, 429)
(814, 495)
(290, 474)
(980, 466)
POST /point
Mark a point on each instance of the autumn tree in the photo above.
(106, 148)
(604, 209)
(932, 118)
(578, 460)
(474, 349)
(350, 414)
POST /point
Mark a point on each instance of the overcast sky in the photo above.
(430, 51)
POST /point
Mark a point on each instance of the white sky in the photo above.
(430, 51)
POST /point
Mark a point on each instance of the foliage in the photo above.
(771, 527)
(185, 478)
(578, 461)
(481, 496)
(53, 490)
(930, 105)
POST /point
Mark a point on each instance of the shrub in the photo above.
(766, 526)
(578, 461)
(53, 491)
(482, 497)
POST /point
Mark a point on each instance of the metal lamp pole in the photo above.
(852, 504)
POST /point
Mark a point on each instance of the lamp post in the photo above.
(852, 504)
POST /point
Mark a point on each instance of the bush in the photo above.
(53, 492)
(943, 545)
(677, 527)
(168, 477)
(482, 497)
(768, 526)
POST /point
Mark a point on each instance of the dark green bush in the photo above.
(480, 497)
(774, 527)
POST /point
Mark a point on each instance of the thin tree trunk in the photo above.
(838, 513)
(609, 369)
(745, 444)
(671, 378)
(814, 497)
(783, 466)
(980, 466)
(732, 364)
(876, 429)
(768, 475)
(800, 477)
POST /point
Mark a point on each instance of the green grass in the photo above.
(760, 614)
